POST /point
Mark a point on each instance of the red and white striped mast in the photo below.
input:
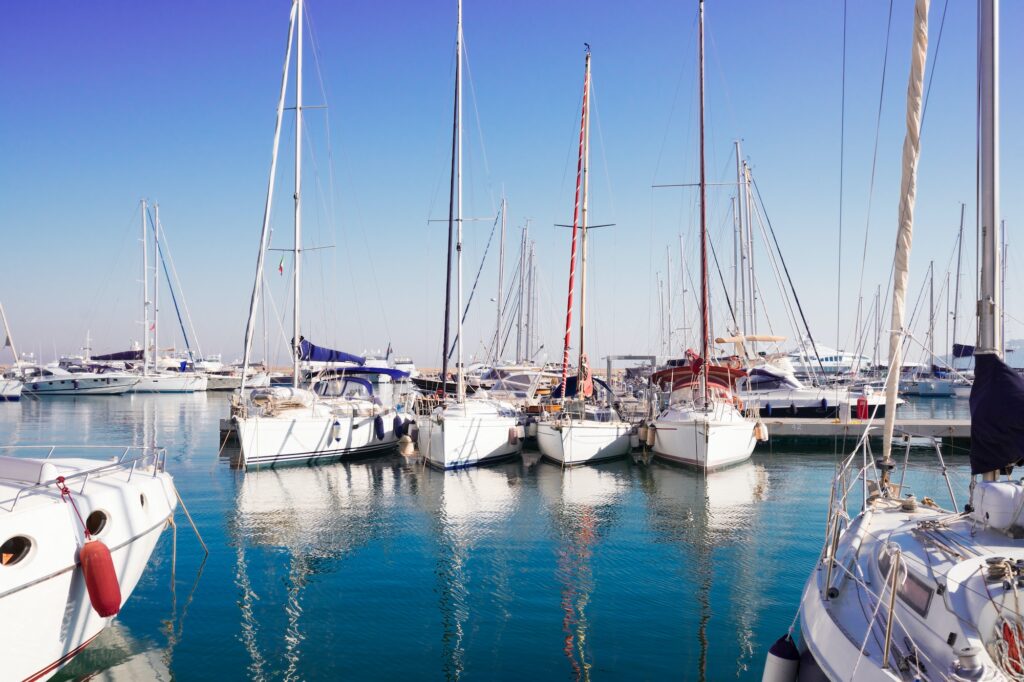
(581, 171)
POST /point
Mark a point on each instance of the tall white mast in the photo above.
(145, 294)
(156, 286)
(458, 217)
(748, 223)
(259, 282)
(584, 196)
(989, 307)
(501, 281)
(297, 274)
(705, 341)
(740, 302)
(522, 293)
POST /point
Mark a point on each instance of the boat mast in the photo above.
(682, 287)
(501, 281)
(461, 388)
(297, 273)
(990, 303)
(705, 340)
(156, 286)
(580, 173)
(259, 283)
(959, 253)
(584, 195)
(905, 231)
(456, 120)
(668, 300)
(749, 223)
(740, 299)
(145, 294)
(931, 316)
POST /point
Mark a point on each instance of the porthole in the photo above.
(14, 550)
(96, 522)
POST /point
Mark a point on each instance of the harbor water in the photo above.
(383, 568)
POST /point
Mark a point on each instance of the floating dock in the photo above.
(944, 429)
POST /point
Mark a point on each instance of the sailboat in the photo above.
(702, 426)
(10, 385)
(331, 414)
(463, 432)
(584, 430)
(152, 380)
(906, 589)
(78, 525)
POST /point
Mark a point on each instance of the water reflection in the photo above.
(582, 502)
(709, 514)
(466, 509)
(118, 656)
(313, 516)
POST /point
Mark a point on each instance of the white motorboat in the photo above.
(905, 589)
(57, 381)
(171, 382)
(65, 572)
(929, 387)
(231, 380)
(815, 359)
(776, 393)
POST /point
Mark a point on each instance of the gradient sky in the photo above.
(110, 102)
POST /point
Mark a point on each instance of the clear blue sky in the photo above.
(109, 102)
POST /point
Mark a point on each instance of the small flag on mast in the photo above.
(280, 266)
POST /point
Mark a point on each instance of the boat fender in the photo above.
(738, 402)
(652, 433)
(412, 430)
(768, 409)
(782, 662)
(531, 428)
(642, 433)
(760, 432)
(513, 435)
(406, 447)
(399, 426)
(792, 409)
(824, 405)
(378, 427)
(862, 408)
(100, 578)
(336, 430)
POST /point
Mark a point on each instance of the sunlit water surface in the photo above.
(383, 568)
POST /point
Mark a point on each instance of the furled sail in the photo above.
(997, 401)
(310, 352)
(905, 232)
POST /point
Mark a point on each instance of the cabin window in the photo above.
(913, 590)
(14, 550)
(96, 522)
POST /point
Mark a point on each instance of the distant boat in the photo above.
(84, 380)
(64, 573)
(10, 384)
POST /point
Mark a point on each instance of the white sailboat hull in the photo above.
(309, 435)
(583, 441)
(46, 616)
(706, 440)
(10, 390)
(467, 435)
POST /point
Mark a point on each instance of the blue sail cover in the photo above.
(127, 355)
(997, 402)
(961, 350)
(308, 351)
(570, 387)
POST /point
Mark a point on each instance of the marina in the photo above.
(346, 427)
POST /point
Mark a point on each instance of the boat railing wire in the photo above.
(131, 458)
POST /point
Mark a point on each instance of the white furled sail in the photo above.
(905, 232)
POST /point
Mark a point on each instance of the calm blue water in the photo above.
(386, 569)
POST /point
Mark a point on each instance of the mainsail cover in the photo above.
(997, 401)
(123, 356)
(310, 352)
(962, 350)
